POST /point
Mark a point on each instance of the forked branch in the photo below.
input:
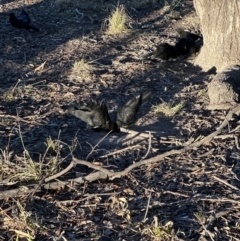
(103, 173)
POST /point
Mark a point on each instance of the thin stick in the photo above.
(68, 168)
(134, 132)
(176, 193)
(119, 151)
(15, 86)
(97, 144)
(149, 197)
(149, 145)
(17, 118)
(208, 232)
(224, 182)
(236, 142)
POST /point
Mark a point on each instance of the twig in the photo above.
(200, 197)
(83, 15)
(17, 118)
(134, 132)
(19, 80)
(207, 231)
(41, 81)
(149, 145)
(95, 167)
(158, 135)
(224, 136)
(176, 193)
(119, 151)
(235, 129)
(224, 182)
(79, 180)
(68, 168)
(206, 153)
(149, 198)
(236, 142)
(215, 216)
(208, 138)
(97, 144)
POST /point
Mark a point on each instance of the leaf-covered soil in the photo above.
(191, 196)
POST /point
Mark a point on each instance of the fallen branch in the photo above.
(68, 168)
(103, 173)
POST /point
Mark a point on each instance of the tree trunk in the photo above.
(220, 22)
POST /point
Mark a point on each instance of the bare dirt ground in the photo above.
(193, 195)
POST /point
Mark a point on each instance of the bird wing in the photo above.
(125, 117)
(127, 114)
(83, 113)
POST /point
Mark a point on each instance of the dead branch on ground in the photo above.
(103, 173)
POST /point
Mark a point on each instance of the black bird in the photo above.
(163, 51)
(23, 22)
(95, 114)
(127, 114)
(185, 46)
(166, 51)
(187, 35)
(195, 40)
(25, 17)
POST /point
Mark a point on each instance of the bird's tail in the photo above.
(33, 28)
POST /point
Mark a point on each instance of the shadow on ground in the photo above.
(35, 74)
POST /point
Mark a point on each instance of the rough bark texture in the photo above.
(223, 91)
(220, 21)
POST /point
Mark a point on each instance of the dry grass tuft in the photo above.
(27, 169)
(21, 225)
(161, 232)
(118, 22)
(81, 71)
(167, 109)
(8, 96)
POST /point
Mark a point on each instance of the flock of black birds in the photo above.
(95, 114)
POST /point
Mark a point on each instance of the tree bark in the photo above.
(220, 22)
